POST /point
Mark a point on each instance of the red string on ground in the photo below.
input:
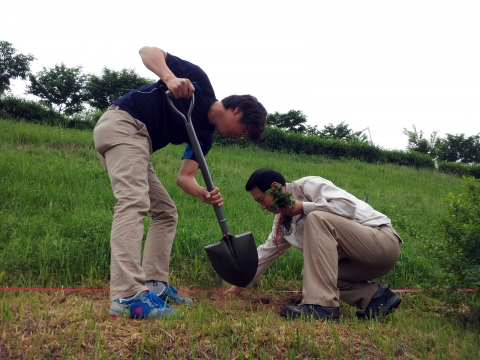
(87, 290)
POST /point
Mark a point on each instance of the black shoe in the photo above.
(381, 305)
(306, 311)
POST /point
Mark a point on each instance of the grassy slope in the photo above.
(56, 208)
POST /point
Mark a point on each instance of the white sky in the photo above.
(385, 65)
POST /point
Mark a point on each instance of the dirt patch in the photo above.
(255, 300)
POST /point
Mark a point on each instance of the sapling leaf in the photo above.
(281, 200)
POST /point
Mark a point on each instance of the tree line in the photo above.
(67, 90)
(451, 148)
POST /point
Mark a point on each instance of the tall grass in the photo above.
(56, 208)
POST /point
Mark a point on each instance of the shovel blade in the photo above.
(236, 262)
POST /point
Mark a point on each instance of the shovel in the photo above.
(234, 257)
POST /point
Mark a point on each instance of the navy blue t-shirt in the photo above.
(149, 104)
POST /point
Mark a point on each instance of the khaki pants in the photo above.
(124, 148)
(341, 256)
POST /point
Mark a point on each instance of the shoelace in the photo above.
(173, 293)
(304, 308)
(155, 300)
(172, 290)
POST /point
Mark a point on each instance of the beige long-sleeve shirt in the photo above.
(317, 194)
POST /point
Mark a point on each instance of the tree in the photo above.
(312, 130)
(341, 132)
(453, 148)
(458, 148)
(12, 66)
(292, 121)
(60, 86)
(101, 91)
(295, 121)
(416, 142)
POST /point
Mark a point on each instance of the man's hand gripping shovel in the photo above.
(234, 257)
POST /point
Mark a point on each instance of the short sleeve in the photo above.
(205, 145)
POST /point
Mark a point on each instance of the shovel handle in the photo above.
(200, 158)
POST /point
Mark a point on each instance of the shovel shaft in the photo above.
(200, 158)
(206, 176)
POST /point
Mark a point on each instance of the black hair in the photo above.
(263, 179)
(254, 113)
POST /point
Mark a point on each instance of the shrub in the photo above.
(17, 108)
(32, 111)
(86, 119)
(458, 251)
(276, 139)
(459, 169)
(409, 158)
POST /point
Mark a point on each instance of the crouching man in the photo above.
(344, 241)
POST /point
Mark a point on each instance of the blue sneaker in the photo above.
(170, 296)
(144, 305)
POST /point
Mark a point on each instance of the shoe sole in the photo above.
(112, 317)
(173, 314)
(175, 317)
(286, 314)
(390, 305)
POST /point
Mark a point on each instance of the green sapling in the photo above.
(281, 200)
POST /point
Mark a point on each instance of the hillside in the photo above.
(56, 207)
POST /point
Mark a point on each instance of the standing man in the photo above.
(344, 241)
(136, 125)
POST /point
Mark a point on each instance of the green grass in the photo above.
(56, 207)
